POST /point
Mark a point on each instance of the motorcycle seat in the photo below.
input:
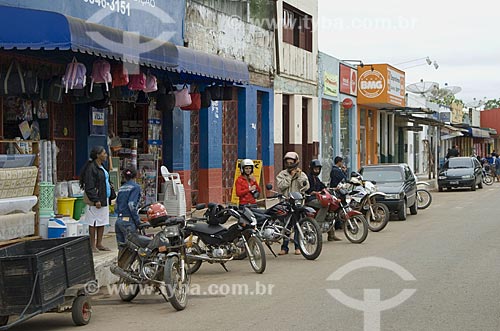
(206, 228)
(260, 215)
(140, 240)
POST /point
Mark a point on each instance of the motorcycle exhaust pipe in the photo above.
(122, 273)
(206, 258)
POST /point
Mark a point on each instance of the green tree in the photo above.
(492, 103)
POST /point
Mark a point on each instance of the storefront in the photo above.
(348, 144)
(382, 136)
(328, 96)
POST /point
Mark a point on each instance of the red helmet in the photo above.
(157, 213)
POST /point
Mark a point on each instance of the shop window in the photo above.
(327, 138)
(297, 28)
(63, 133)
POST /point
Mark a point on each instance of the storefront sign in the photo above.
(330, 84)
(347, 103)
(164, 17)
(381, 85)
(97, 122)
(348, 80)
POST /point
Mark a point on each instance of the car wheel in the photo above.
(414, 208)
(402, 211)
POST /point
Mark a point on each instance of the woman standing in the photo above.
(94, 179)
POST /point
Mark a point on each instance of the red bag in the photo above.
(120, 75)
(195, 102)
(137, 82)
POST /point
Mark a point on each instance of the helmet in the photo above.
(315, 163)
(292, 156)
(245, 163)
(157, 213)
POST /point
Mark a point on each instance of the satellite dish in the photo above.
(453, 89)
(474, 103)
(422, 87)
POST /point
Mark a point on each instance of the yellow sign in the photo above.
(257, 171)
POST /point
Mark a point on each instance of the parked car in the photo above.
(398, 182)
(464, 171)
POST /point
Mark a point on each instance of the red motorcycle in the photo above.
(334, 208)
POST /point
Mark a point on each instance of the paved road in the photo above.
(451, 249)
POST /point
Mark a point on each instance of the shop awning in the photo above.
(199, 63)
(479, 133)
(22, 28)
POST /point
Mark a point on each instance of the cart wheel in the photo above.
(4, 320)
(81, 311)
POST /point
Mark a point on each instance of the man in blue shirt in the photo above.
(338, 172)
(127, 206)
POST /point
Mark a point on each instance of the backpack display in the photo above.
(75, 76)
(13, 80)
(101, 73)
(137, 82)
(120, 75)
(151, 84)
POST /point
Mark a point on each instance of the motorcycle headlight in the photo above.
(298, 203)
(171, 231)
(392, 196)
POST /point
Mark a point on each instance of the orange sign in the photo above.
(381, 85)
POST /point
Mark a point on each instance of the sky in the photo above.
(463, 40)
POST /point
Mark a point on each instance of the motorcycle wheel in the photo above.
(258, 262)
(177, 291)
(126, 290)
(356, 229)
(312, 243)
(424, 199)
(193, 265)
(379, 220)
(488, 179)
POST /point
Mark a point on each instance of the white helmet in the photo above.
(245, 163)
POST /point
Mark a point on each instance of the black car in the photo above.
(465, 171)
(399, 184)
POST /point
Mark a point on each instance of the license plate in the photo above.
(454, 182)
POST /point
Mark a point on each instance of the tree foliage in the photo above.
(492, 103)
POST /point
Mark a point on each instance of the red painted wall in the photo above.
(491, 119)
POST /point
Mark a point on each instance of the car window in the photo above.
(381, 174)
(457, 163)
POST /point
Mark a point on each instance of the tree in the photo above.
(443, 97)
(492, 103)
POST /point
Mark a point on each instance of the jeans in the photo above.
(284, 246)
(122, 228)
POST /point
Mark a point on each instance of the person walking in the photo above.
(94, 180)
(247, 188)
(127, 207)
(291, 179)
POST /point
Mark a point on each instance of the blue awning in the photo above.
(199, 63)
(479, 133)
(22, 28)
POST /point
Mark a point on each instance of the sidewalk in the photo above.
(103, 260)
(425, 178)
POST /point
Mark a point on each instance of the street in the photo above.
(451, 249)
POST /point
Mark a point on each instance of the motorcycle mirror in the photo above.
(269, 186)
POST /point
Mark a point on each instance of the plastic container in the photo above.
(65, 206)
(46, 196)
(56, 228)
(43, 226)
(79, 208)
(71, 228)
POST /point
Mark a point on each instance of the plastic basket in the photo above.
(46, 198)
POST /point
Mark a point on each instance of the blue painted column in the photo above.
(268, 134)
(210, 172)
(247, 123)
(84, 141)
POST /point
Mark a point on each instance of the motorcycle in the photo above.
(335, 208)
(288, 215)
(424, 197)
(159, 261)
(363, 195)
(217, 244)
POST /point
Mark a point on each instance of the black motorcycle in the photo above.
(158, 261)
(218, 244)
(290, 214)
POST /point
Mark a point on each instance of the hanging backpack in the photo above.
(75, 76)
(120, 75)
(137, 82)
(13, 80)
(151, 84)
(101, 73)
